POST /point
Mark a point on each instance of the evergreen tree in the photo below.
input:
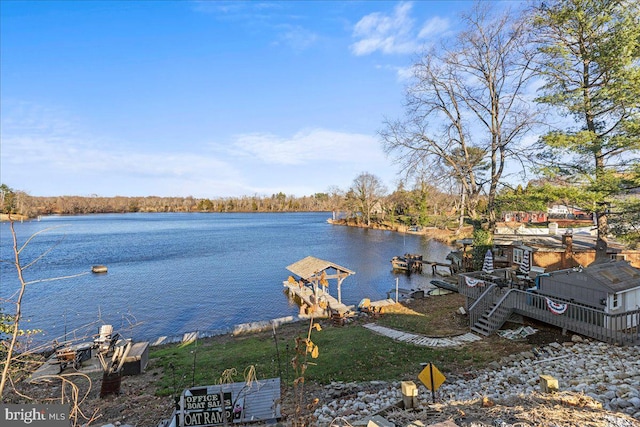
(590, 53)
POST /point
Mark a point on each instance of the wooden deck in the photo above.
(322, 307)
(490, 305)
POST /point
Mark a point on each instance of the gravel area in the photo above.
(595, 379)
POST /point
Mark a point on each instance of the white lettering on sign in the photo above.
(206, 401)
(205, 418)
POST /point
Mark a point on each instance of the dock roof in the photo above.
(308, 267)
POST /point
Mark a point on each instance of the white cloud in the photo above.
(46, 154)
(434, 27)
(403, 74)
(395, 33)
(308, 146)
(388, 34)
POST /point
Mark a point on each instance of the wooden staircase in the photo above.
(489, 306)
(492, 319)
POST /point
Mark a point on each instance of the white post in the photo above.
(396, 289)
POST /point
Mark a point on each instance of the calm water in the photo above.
(173, 273)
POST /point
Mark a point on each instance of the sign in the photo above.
(225, 404)
(431, 377)
(202, 408)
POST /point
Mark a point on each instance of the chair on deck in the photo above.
(516, 281)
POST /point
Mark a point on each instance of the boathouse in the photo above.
(312, 285)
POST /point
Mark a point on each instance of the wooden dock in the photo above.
(436, 264)
(322, 306)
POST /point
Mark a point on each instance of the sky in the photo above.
(207, 99)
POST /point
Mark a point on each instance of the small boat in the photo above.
(399, 263)
(409, 263)
(439, 291)
(404, 294)
(445, 285)
(99, 269)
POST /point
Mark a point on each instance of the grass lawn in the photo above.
(349, 353)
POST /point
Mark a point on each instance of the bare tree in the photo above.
(13, 327)
(366, 194)
(466, 111)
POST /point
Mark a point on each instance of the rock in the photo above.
(610, 395)
(608, 374)
(576, 338)
(528, 355)
(514, 380)
(623, 403)
(324, 420)
(494, 365)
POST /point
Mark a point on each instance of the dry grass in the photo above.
(433, 316)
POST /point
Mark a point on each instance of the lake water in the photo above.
(171, 273)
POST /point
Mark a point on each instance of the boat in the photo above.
(403, 294)
(445, 285)
(408, 263)
(439, 291)
(99, 269)
(399, 263)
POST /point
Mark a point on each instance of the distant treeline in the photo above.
(361, 204)
(32, 206)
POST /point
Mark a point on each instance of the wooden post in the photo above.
(340, 290)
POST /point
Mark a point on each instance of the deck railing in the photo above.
(621, 329)
(493, 296)
(483, 303)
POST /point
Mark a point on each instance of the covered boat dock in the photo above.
(311, 289)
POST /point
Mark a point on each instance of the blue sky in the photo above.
(204, 98)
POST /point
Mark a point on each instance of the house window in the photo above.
(517, 256)
(615, 303)
(619, 257)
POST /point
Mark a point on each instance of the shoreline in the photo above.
(442, 235)
(241, 328)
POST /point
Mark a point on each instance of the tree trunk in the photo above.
(602, 240)
(461, 218)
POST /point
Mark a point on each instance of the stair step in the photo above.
(480, 331)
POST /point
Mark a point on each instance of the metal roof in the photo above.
(258, 401)
(310, 266)
(614, 276)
